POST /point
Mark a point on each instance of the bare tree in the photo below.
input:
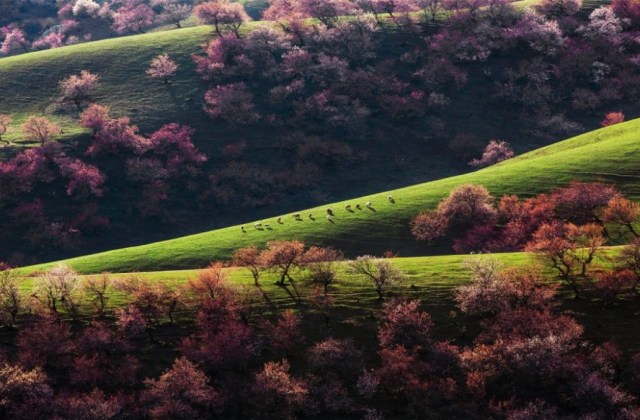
(55, 287)
(381, 272)
(96, 289)
(11, 299)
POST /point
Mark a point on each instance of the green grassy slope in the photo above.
(610, 154)
(29, 82)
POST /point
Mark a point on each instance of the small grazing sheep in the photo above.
(311, 216)
(329, 212)
(267, 226)
(368, 204)
(347, 207)
(358, 207)
(257, 225)
(279, 220)
(296, 215)
(242, 229)
(390, 197)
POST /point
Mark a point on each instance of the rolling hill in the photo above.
(610, 154)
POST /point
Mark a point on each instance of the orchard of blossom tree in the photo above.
(464, 84)
(319, 209)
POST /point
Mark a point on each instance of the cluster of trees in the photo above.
(238, 355)
(323, 72)
(566, 228)
(35, 25)
(287, 257)
(476, 223)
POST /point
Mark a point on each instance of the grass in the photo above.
(29, 82)
(610, 154)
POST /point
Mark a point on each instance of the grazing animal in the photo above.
(358, 207)
(329, 212)
(279, 220)
(257, 225)
(267, 226)
(347, 207)
(296, 215)
(242, 229)
(369, 204)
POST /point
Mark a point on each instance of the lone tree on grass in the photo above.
(381, 273)
(11, 300)
(40, 129)
(5, 121)
(283, 257)
(249, 258)
(174, 12)
(162, 67)
(77, 89)
(224, 16)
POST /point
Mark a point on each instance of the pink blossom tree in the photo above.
(103, 359)
(232, 103)
(496, 151)
(133, 17)
(224, 16)
(84, 179)
(173, 142)
(51, 40)
(403, 324)
(115, 135)
(327, 11)
(14, 39)
(277, 393)
(40, 129)
(627, 9)
(23, 392)
(94, 117)
(429, 226)
(612, 118)
(603, 24)
(162, 67)
(468, 205)
(286, 334)
(174, 11)
(85, 8)
(539, 33)
(559, 8)
(181, 392)
(78, 89)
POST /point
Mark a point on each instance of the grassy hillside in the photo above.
(610, 154)
(29, 82)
